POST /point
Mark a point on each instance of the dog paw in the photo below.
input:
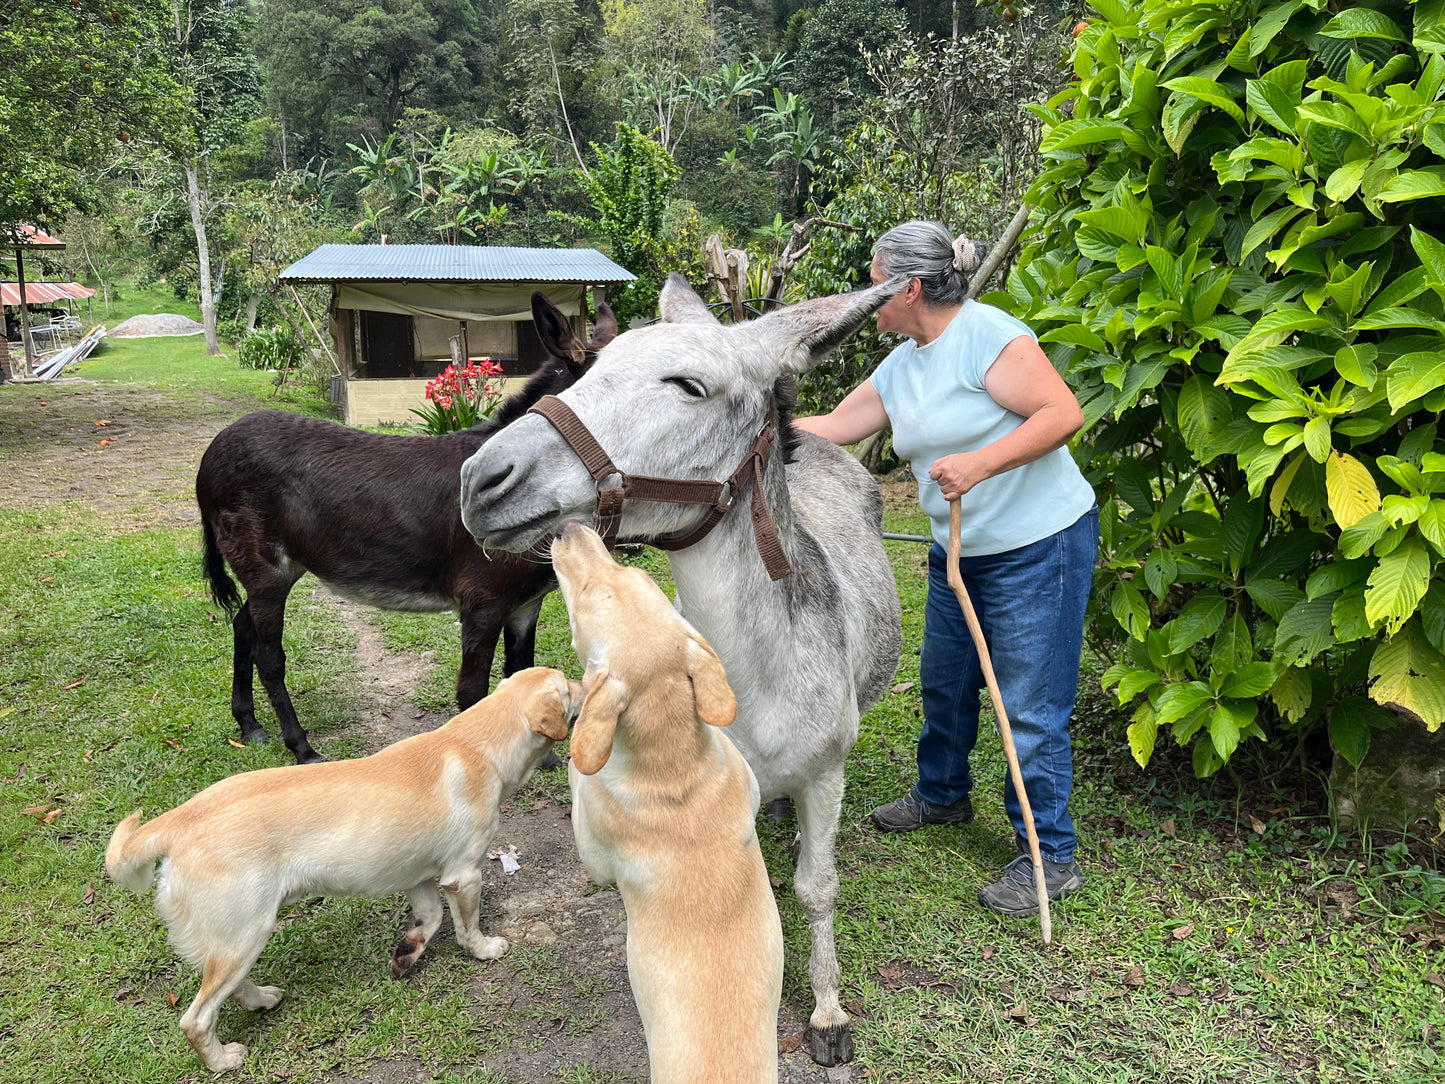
(488, 948)
(268, 997)
(831, 1045)
(231, 1056)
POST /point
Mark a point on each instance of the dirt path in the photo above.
(566, 977)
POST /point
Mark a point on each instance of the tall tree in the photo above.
(661, 50)
(340, 70)
(548, 51)
(75, 80)
(217, 72)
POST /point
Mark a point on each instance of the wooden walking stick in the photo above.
(955, 580)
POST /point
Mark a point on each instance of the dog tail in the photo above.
(131, 856)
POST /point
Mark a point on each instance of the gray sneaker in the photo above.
(911, 811)
(1013, 894)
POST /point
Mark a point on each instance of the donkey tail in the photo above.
(223, 588)
(131, 856)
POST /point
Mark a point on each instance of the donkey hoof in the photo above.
(405, 955)
(309, 756)
(256, 736)
(832, 1045)
(549, 762)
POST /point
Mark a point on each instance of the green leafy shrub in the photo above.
(1239, 258)
(271, 348)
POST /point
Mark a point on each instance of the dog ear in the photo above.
(551, 721)
(597, 723)
(716, 704)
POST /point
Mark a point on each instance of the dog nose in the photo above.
(570, 527)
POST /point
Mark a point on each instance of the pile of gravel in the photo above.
(164, 323)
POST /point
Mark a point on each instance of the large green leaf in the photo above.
(1292, 693)
(1413, 375)
(1182, 699)
(1204, 413)
(1207, 90)
(1304, 631)
(1411, 185)
(1363, 23)
(1142, 736)
(1397, 585)
(1201, 618)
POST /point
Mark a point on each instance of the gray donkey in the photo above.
(806, 654)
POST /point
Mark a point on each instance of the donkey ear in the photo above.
(597, 724)
(679, 304)
(604, 328)
(716, 704)
(549, 717)
(555, 330)
(800, 336)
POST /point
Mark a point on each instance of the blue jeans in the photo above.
(1030, 602)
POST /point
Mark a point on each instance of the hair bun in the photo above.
(968, 254)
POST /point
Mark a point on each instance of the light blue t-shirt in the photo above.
(937, 404)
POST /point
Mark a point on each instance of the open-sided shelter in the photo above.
(395, 309)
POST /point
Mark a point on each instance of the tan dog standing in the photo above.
(418, 814)
(665, 806)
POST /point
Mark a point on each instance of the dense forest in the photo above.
(210, 143)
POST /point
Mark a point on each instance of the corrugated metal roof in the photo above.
(37, 293)
(29, 237)
(454, 263)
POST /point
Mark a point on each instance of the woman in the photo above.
(981, 414)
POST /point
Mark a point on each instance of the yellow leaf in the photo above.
(1408, 672)
(1352, 492)
(233, 741)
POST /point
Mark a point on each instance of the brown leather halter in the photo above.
(719, 496)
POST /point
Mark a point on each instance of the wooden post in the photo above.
(27, 362)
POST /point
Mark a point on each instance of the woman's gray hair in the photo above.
(927, 251)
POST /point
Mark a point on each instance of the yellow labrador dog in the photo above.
(418, 814)
(665, 806)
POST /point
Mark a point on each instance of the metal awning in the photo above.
(455, 263)
(38, 293)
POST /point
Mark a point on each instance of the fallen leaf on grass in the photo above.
(1019, 1014)
(790, 1043)
(902, 687)
(1134, 976)
(5, 711)
(103, 421)
(49, 818)
(1256, 824)
(88, 753)
(173, 743)
(988, 951)
(77, 684)
(20, 773)
(1182, 933)
(36, 810)
(1434, 979)
(89, 896)
(1109, 995)
(1181, 989)
(1168, 828)
(892, 976)
(237, 744)
(47, 579)
(127, 988)
(1063, 993)
(172, 999)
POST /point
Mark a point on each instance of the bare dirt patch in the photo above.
(128, 452)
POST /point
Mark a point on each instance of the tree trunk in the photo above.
(251, 306)
(195, 200)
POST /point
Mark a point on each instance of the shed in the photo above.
(396, 308)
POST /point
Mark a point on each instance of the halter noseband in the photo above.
(719, 496)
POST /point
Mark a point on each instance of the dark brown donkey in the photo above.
(377, 519)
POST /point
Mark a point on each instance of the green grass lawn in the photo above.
(1205, 946)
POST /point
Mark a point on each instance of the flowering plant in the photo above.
(458, 399)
